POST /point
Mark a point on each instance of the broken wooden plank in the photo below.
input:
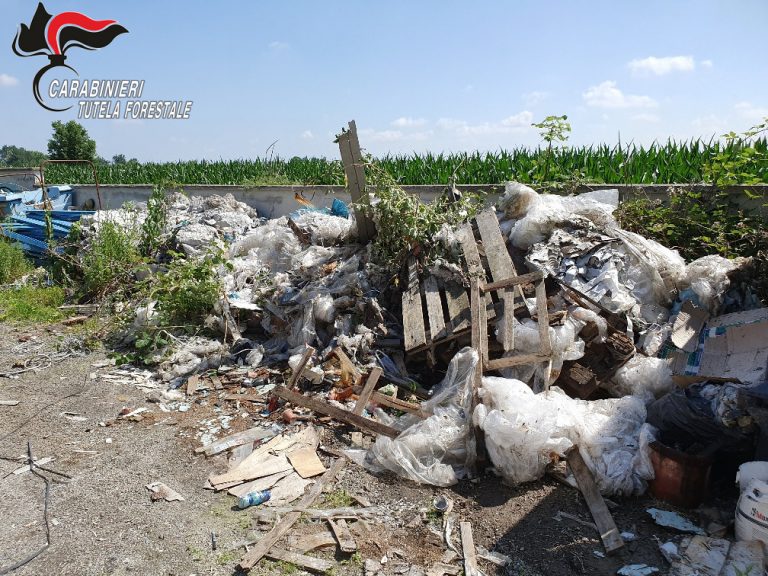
(413, 313)
(391, 402)
(287, 490)
(266, 467)
(344, 537)
(458, 306)
(354, 169)
(475, 307)
(348, 369)
(264, 483)
(233, 440)
(192, 383)
(243, 397)
(308, 353)
(365, 395)
(499, 363)
(217, 385)
(336, 413)
(304, 543)
(307, 562)
(502, 268)
(609, 533)
(239, 454)
(545, 346)
(9, 402)
(472, 258)
(306, 463)
(511, 282)
(283, 526)
(468, 550)
(437, 327)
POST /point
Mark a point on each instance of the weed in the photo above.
(553, 129)
(188, 289)
(13, 264)
(405, 225)
(227, 557)
(434, 516)
(740, 159)
(196, 553)
(109, 261)
(338, 499)
(31, 304)
(154, 224)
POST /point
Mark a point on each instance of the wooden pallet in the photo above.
(435, 312)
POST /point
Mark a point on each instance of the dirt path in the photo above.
(104, 523)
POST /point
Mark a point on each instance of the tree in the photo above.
(18, 157)
(119, 159)
(70, 141)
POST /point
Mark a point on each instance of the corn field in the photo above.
(673, 162)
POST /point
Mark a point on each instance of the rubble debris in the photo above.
(161, 491)
(713, 556)
(234, 440)
(674, 520)
(306, 463)
(279, 530)
(468, 550)
(9, 402)
(343, 536)
(317, 565)
(637, 570)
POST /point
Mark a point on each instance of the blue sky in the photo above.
(416, 75)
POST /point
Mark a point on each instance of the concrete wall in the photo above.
(276, 201)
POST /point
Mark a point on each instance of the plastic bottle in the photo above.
(254, 498)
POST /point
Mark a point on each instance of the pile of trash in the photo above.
(646, 331)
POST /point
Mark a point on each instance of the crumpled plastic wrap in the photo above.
(439, 449)
(194, 355)
(707, 278)
(327, 229)
(642, 376)
(524, 430)
(546, 211)
(274, 244)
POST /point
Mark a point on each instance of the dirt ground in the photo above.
(103, 522)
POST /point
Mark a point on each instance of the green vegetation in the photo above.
(338, 499)
(70, 141)
(405, 225)
(699, 225)
(18, 157)
(31, 304)
(671, 162)
(13, 264)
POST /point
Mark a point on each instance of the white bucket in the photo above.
(749, 471)
(752, 512)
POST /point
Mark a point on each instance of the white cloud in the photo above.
(408, 122)
(750, 112)
(607, 95)
(6, 81)
(662, 66)
(709, 125)
(278, 46)
(393, 135)
(647, 118)
(307, 135)
(516, 123)
(535, 97)
(706, 63)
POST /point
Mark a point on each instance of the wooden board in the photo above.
(307, 562)
(344, 537)
(437, 327)
(286, 523)
(233, 440)
(336, 413)
(192, 383)
(354, 169)
(306, 462)
(413, 314)
(239, 454)
(502, 268)
(365, 395)
(264, 483)
(608, 531)
(468, 550)
(287, 490)
(308, 353)
(390, 402)
(458, 306)
(304, 543)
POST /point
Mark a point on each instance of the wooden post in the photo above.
(354, 168)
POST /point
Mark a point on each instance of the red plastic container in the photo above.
(681, 479)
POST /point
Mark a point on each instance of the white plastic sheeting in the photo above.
(439, 449)
(523, 431)
(643, 376)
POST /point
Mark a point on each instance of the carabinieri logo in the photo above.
(52, 36)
